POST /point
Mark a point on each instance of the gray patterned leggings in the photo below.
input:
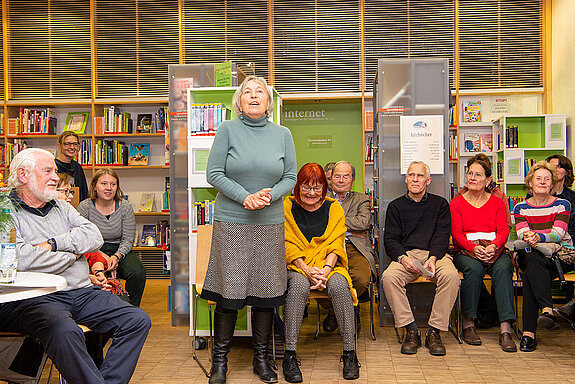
(297, 296)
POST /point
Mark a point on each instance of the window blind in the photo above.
(135, 42)
(49, 48)
(316, 47)
(408, 29)
(500, 43)
(1, 56)
(216, 31)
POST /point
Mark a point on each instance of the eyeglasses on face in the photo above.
(68, 192)
(75, 144)
(307, 188)
(341, 177)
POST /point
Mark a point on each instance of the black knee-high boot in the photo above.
(224, 324)
(262, 320)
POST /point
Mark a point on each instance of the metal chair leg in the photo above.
(371, 305)
(318, 322)
(194, 355)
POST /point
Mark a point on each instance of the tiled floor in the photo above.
(167, 356)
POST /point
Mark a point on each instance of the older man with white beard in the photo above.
(51, 237)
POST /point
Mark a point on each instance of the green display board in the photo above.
(325, 132)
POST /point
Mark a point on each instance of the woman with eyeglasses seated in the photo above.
(316, 259)
(114, 216)
(479, 231)
(69, 146)
(541, 222)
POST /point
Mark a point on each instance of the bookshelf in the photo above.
(521, 141)
(134, 180)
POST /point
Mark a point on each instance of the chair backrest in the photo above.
(204, 247)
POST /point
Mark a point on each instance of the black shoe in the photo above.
(567, 311)
(433, 343)
(330, 323)
(528, 344)
(411, 342)
(292, 373)
(546, 320)
(350, 365)
(261, 332)
(224, 322)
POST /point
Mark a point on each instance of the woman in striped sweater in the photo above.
(542, 218)
(115, 219)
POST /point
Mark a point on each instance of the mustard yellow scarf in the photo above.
(314, 253)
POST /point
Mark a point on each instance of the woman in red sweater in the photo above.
(479, 230)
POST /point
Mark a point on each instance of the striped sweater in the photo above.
(549, 221)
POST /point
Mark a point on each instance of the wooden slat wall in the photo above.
(135, 40)
(50, 48)
(313, 44)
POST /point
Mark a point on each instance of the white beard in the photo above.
(45, 195)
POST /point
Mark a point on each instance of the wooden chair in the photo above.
(323, 295)
(454, 318)
(202, 259)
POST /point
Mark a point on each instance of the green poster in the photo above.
(556, 132)
(201, 160)
(223, 73)
(327, 131)
(514, 167)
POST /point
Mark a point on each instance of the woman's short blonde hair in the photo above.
(536, 167)
(92, 194)
(238, 95)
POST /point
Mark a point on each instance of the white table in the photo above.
(31, 284)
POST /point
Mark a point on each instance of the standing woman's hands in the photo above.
(258, 200)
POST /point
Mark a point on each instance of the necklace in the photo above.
(542, 203)
(477, 202)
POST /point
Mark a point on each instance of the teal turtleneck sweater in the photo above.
(248, 155)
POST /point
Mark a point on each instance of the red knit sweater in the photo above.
(465, 218)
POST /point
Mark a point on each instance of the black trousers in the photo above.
(538, 272)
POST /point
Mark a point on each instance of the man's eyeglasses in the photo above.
(76, 145)
(68, 192)
(307, 188)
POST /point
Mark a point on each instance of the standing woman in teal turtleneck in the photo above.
(252, 164)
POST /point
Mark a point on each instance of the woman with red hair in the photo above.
(316, 259)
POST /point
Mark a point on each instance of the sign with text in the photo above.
(223, 74)
(421, 139)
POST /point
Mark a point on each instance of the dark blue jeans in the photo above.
(501, 273)
(53, 320)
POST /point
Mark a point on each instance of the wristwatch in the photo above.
(52, 243)
(399, 258)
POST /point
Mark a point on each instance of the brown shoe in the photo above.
(411, 342)
(470, 336)
(433, 343)
(506, 342)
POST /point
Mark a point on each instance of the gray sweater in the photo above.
(118, 229)
(248, 155)
(74, 235)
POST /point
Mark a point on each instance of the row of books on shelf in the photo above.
(513, 201)
(8, 151)
(203, 213)
(205, 118)
(156, 235)
(368, 148)
(33, 122)
(511, 137)
(453, 147)
(527, 164)
(116, 122)
(148, 199)
(478, 142)
(117, 153)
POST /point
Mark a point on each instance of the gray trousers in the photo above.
(296, 299)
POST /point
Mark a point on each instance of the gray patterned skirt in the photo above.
(247, 266)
